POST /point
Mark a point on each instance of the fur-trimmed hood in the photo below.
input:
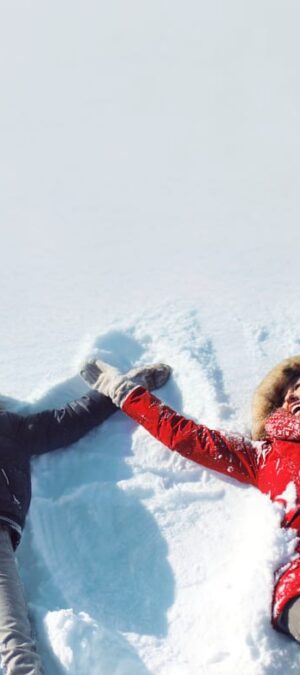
(269, 394)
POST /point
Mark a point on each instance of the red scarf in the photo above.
(281, 424)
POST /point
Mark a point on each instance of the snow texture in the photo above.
(149, 211)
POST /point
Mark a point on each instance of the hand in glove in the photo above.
(110, 382)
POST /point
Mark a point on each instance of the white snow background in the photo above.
(149, 205)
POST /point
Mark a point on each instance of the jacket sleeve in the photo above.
(52, 429)
(233, 456)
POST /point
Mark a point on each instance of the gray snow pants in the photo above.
(289, 621)
(18, 653)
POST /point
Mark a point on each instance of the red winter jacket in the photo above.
(272, 465)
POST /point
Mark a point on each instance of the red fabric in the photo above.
(283, 425)
(271, 465)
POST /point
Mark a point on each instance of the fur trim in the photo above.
(270, 392)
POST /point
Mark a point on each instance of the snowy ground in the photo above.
(137, 561)
(149, 200)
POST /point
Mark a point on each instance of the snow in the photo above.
(289, 496)
(149, 211)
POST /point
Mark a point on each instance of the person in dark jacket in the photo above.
(270, 460)
(21, 437)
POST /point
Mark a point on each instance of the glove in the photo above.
(109, 381)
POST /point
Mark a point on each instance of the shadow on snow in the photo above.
(90, 544)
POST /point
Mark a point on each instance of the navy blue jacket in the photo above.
(22, 436)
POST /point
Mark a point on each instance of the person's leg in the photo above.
(18, 653)
(289, 621)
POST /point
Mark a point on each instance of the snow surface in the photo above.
(149, 199)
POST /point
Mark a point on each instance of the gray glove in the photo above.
(110, 382)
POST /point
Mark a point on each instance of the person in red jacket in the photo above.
(270, 460)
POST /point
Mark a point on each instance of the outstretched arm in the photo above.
(52, 429)
(233, 456)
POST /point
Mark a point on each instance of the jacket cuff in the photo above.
(129, 395)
